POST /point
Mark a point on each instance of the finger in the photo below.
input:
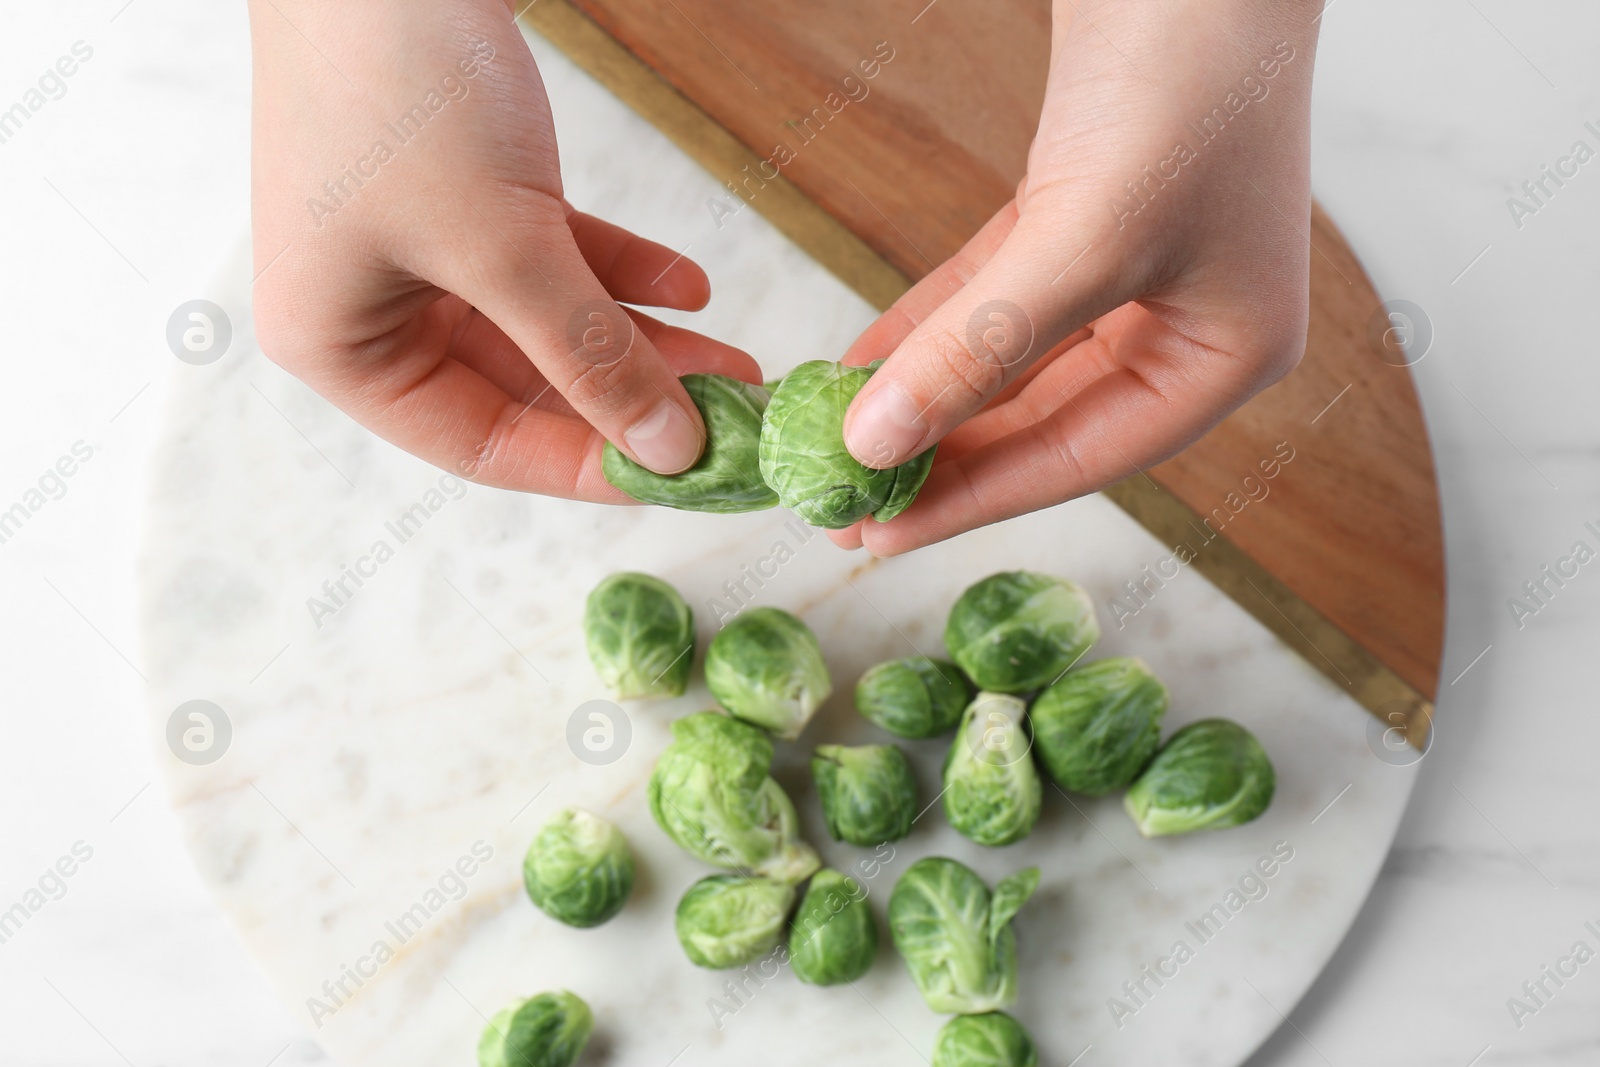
(688, 352)
(477, 343)
(1044, 388)
(526, 274)
(848, 538)
(449, 414)
(1129, 420)
(1045, 282)
(880, 339)
(481, 345)
(635, 270)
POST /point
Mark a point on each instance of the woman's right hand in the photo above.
(418, 265)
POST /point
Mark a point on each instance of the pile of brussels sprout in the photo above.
(781, 443)
(1019, 706)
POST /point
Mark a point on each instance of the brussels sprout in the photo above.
(727, 476)
(766, 668)
(578, 869)
(1099, 725)
(992, 791)
(803, 455)
(833, 938)
(915, 697)
(1210, 775)
(1017, 630)
(712, 795)
(993, 1039)
(729, 920)
(548, 1030)
(868, 794)
(956, 936)
(640, 635)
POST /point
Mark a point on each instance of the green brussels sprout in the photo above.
(578, 869)
(1099, 725)
(766, 668)
(711, 793)
(729, 920)
(868, 794)
(1210, 775)
(915, 697)
(548, 1030)
(956, 936)
(1016, 630)
(727, 477)
(993, 1039)
(833, 938)
(803, 455)
(992, 792)
(640, 635)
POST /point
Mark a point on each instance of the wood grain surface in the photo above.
(880, 137)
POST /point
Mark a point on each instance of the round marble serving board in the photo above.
(393, 750)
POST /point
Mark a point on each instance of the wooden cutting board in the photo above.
(1342, 559)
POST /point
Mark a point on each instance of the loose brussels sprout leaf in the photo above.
(578, 869)
(994, 1039)
(766, 668)
(640, 635)
(1009, 897)
(803, 455)
(955, 938)
(1016, 631)
(548, 1030)
(1210, 775)
(833, 938)
(868, 794)
(915, 697)
(727, 477)
(1099, 725)
(712, 795)
(992, 791)
(729, 920)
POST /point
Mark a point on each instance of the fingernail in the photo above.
(886, 428)
(664, 440)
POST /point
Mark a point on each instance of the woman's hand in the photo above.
(418, 266)
(1150, 276)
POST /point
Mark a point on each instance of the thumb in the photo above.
(1044, 283)
(532, 281)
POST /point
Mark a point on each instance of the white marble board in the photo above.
(421, 730)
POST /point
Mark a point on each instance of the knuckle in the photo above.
(1062, 448)
(954, 364)
(280, 332)
(1275, 359)
(602, 389)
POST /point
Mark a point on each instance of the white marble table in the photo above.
(1427, 118)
